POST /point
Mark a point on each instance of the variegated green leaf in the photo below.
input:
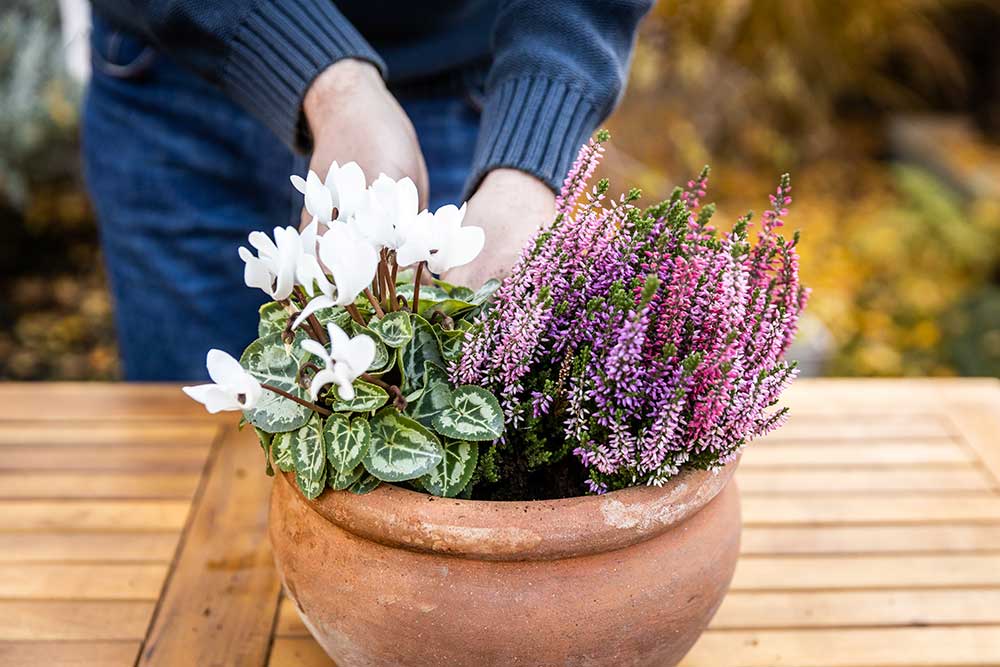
(383, 358)
(273, 319)
(485, 292)
(394, 329)
(435, 396)
(454, 471)
(337, 315)
(423, 347)
(367, 398)
(266, 439)
(309, 457)
(474, 414)
(281, 448)
(400, 448)
(273, 362)
(366, 484)
(451, 343)
(339, 481)
(346, 441)
(450, 307)
(428, 293)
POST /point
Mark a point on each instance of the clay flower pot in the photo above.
(396, 578)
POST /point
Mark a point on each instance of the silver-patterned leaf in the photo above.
(346, 441)
(273, 362)
(366, 484)
(474, 414)
(309, 456)
(394, 329)
(428, 293)
(423, 347)
(452, 475)
(433, 398)
(367, 398)
(339, 481)
(483, 294)
(281, 448)
(451, 343)
(450, 307)
(273, 319)
(401, 448)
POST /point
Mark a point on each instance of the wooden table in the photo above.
(132, 531)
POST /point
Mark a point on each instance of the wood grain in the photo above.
(68, 654)
(852, 480)
(74, 620)
(219, 605)
(899, 540)
(34, 485)
(90, 515)
(60, 581)
(65, 547)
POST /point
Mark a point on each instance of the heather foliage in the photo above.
(637, 341)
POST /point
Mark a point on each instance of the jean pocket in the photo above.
(118, 53)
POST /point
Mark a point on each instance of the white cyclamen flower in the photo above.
(343, 190)
(387, 211)
(441, 240)
(275, 267)
(352, 261)
(232, 387)
(345, 361)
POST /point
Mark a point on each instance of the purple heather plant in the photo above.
(637, 342)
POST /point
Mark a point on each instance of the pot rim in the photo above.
(517, 530)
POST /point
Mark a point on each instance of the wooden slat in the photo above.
(90, 620)
(871, 539)
(219, 605)
(38, 581)
(883, 647)
(858, 508)
(298, 652)
(103, 402)
(161, 458)
(68, 654)
(857, 608)
(93, 515)
(27, 484)
(289, 624)
(849, 480)
(820, 572)
(87, 547)
(871, 453)
(105, 434)
(861, 426)
(979, 425)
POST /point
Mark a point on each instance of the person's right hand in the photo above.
(353, 117)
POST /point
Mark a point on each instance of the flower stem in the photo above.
(301, 401)
(353, 310)
(393, 390)
(312, 321)
(374, 302)
(383, 273)
(416, 288)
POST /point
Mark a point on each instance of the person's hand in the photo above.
(353, 117)
(510, 206)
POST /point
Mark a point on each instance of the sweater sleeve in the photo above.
(558, 70)
(264, 54)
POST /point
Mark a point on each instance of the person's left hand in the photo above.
(510, 206)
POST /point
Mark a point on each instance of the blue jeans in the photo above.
(179, 175)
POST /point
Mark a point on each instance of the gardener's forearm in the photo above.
(558, 70)
(265, 54)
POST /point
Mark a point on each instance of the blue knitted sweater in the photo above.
(555, 68)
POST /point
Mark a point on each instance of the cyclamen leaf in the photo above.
(394, 329)
(266, 439)
(366, 484)
(309, 456)
(337, 315)
(451, 344)
(428, 293)
(273, 362)
(346, 441)
(401, 448)
(461, 293)
(273, 319)
(367, 398)
(452, 475)
(423, 347)
(435, 396)
(483, 294)
(474, 414)
(339, 481)
(450, 307)
(282, 448)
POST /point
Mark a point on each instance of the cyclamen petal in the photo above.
(318, 303)
(351, 260)
(233, 387)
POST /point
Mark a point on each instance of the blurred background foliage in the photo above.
(886, 112)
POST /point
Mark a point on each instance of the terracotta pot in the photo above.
(397, 578)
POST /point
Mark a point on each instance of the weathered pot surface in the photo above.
(398, 578)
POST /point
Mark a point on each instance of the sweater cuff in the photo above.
(534, 124)
(280, 48)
